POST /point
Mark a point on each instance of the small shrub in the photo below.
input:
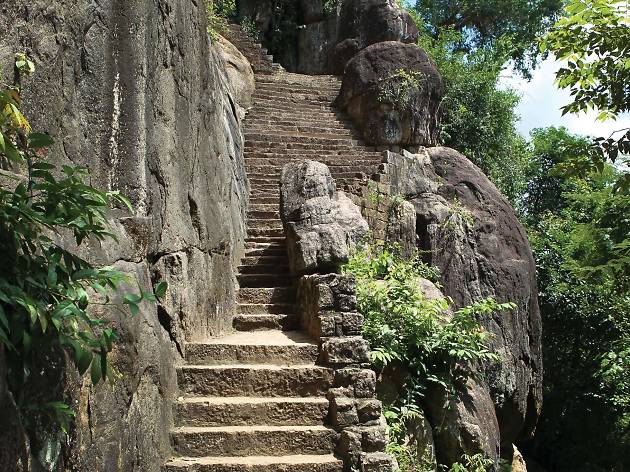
(218, 13)
(422, 341)
(400, 88)
(249, 27)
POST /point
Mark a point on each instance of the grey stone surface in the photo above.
(473, 236)
(367, 22)
(387, 108)
(401, 227)
(464, 424)
(322, 225)
(135, 92)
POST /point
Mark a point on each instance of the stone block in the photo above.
(343, 413)
(369, 411)
(344, 351)
(352, 324)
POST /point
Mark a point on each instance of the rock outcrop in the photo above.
(135, 92)
(322, 225)
(366, 22)
(392, 92)
(471, 233)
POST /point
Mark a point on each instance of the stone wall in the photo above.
(134, 91)
(328, 313)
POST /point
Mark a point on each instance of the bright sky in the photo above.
(541, 102)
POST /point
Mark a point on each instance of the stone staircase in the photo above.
(256, 399)
(258, 57)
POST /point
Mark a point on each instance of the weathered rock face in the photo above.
(392, 92)
(135, 92)
(310, 39)
(321, 224)
(465, 424)
(474, 237)
(366, 22)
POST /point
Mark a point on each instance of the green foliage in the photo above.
(474, 463)
(578, 228)
(405, 328)
(485, 23)
(249, 27)
(458, 217)
(48, 295)
(330, 6)
(398, 89)
(218, 12)
(594, 39)
(478, 117)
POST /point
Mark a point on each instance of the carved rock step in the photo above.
(268, 83)
(299, 137)
(265, 308)
(266, 295)
(264, 269)
(237, 411)
(270, 142)
(298, 463)
(265, 322)
(254, 380)
(278, 241)
(267, 200)
(322, 131)
(253, 440)
(265, 231)
(274, 261)
(263, 214)
(275, 347)
(264, 280)
(287, 119)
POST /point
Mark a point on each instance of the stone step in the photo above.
(289, 104)
(253, 440)
(312, 96)
(271, 144)
(348, 160)
(263, 214)
(264, 260)
(274, 347)
(289, 119)
(268, 251)
(266, 295)
(265, 322)
(264, 280)
(267, 108)
(328, 131)
(328, 88)
(265, 223)
(299, 137)
(245, 380)
(280, 241)
(264, 269)
(267, 200)
(265, 309)
(263, 207)
(253, 232)
(297, 463)
(241, 411)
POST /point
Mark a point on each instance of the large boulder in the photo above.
(392, 92)
(472, 234)
(464, 424)
(366, 22)
(322, 225)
